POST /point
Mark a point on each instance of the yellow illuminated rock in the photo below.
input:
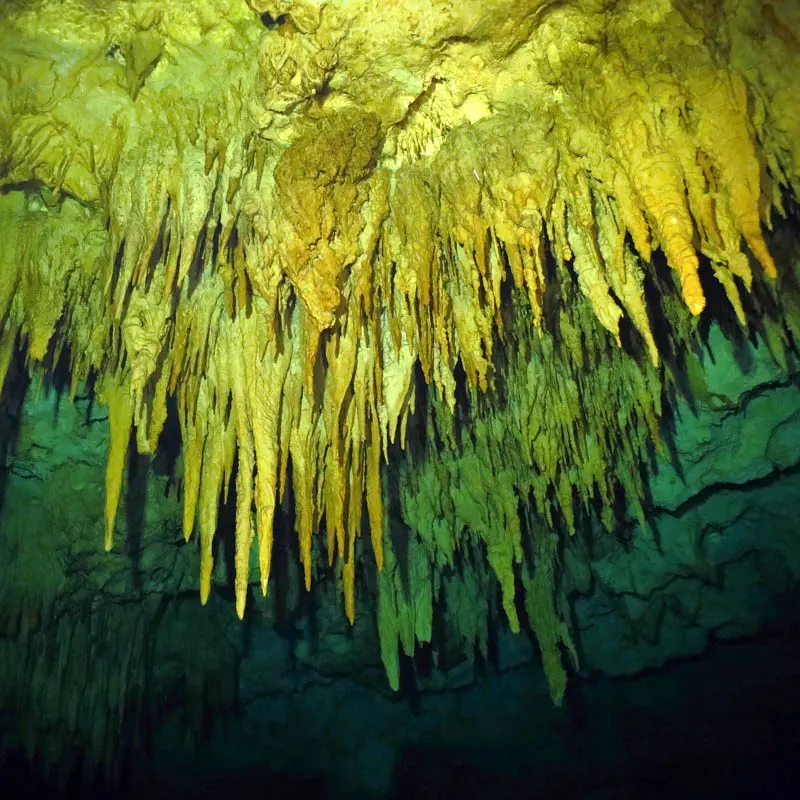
(273, 212)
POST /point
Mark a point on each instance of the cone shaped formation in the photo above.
(276, 214)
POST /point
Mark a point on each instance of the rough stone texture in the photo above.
(95, 646)
(748, 427)
(721, 546)
(274, 216)
(268, 222)
(719, 558)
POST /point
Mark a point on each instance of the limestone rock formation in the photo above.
(424, 284)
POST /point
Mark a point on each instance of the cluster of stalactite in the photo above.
(92, 661)
(77, 683)
(485, 493)
(72, 687)
(172, 238)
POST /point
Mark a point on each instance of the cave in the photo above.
(400, 399)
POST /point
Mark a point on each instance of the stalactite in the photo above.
(279, 245)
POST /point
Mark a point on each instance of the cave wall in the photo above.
(719, 551)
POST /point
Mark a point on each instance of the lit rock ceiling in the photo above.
(291, 217)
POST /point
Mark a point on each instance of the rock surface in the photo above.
(719, 559)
